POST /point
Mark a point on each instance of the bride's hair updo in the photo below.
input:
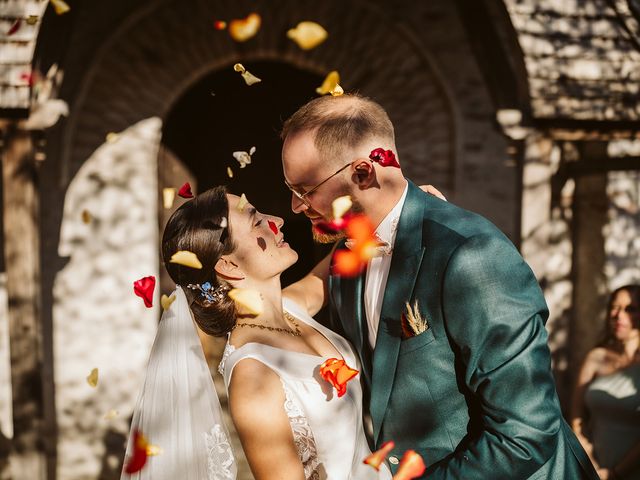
(201, 226)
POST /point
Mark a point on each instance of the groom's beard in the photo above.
(334, 237)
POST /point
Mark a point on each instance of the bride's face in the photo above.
(261, 251)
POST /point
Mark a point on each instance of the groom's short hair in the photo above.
(340, 122)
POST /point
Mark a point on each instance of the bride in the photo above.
(291, 422)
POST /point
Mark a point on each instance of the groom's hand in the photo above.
(433, 191)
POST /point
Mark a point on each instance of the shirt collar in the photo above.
(386, 231)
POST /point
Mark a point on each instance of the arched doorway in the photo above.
(220, 114)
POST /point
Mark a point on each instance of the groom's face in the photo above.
(303, 170)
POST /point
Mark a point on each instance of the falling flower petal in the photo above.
(111, 414)
(32, 19)
(185, 191)
(229, 172)
(329, 84)
(153, 450)
(223, 222)
(144, 289)
(186, 258)
(347, 263)
(378, 457)
(166, 301)
(168, 196)
(336, 91)
(337, 373)
(92, 378)
(242, 29)
(340, 206)
(273, 227)
(385, 158)
(139, 458)
(242, 202)
(411, 466)
(112, 137)
(15, 27)
(307, 35)
(248, 302)
(60, 6)
(219, 24)
(86, 216)
(249, 78)
(244, 158)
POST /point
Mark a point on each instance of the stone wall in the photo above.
(98, 321)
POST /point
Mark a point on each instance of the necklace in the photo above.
(288, 316)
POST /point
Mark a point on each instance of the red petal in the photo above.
(15, 27)
(411, 466)
(386, 158)
(219, 24)
(273, 227)
(139, 458)
(144, 289)
(377, 457)
(185, 191)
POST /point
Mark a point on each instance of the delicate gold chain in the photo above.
(296, 333)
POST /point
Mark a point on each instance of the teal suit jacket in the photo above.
(473, 394)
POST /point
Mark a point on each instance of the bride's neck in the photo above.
(271, 293)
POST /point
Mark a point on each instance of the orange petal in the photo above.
(139, 458)
(60, 6)
(411, 466)
(86, 216)
(347, 263)
(345, 373)
(243, 29)
(377, 458)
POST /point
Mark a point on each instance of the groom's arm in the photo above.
(311, 291)
(494, 314)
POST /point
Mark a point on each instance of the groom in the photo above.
(470, 387)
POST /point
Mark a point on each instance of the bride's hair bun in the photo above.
(201, 226)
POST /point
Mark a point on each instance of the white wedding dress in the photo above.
(327, 430)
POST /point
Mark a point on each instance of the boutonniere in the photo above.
(412, 322)
(337, 373)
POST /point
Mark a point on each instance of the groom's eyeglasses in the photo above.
(303, 196)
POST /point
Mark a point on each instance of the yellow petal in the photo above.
(168, 196)
(111, 414)
(337, 91)
(112, 137)
(229, 172)
(166, 301)
(86, 216)
(308, 35)
(238, 67)
(248, 302)
(329, 84)
(340, 206)
(242, 29)
(250, 78)
(92, 378)
(186, 258)
(32, 19)
(60, 6)
(153, 450)
(242, 202)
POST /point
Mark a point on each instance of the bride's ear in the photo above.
(228, 270)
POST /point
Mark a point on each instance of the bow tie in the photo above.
(382, 249)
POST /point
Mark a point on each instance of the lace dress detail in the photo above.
(219, 454)
(302, 435)
(228, 350)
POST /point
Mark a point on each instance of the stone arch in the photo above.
(174, 50)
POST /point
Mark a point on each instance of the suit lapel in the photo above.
(405, 264)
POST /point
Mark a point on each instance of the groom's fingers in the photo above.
(433, 191)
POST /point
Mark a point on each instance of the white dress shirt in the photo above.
(378, 269)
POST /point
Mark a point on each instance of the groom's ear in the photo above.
(228, 270)
(364, 173)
